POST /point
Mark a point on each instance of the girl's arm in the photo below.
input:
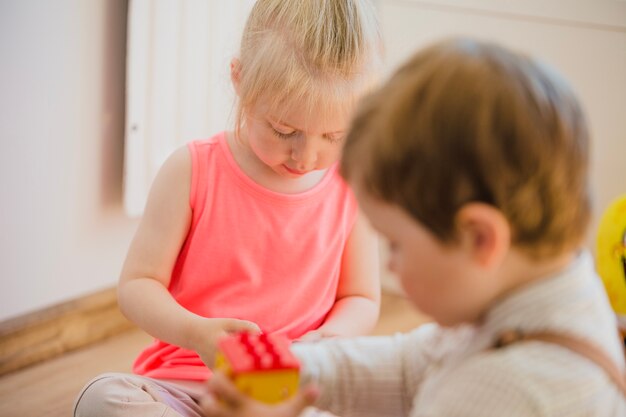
(143, 293)
(356, 309)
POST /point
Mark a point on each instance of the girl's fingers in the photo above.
(310, 337)
(235, 326)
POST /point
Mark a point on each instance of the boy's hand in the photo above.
(209, 331)
(225, 400)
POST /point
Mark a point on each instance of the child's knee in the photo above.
(107, 395)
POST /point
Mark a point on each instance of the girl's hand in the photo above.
(226, 400)
(209, 331)
(316, 336)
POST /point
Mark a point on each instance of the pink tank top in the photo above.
(253, 254)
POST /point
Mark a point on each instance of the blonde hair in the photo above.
(466, 121)
(320, 51)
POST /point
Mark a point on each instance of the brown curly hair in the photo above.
(468, 121)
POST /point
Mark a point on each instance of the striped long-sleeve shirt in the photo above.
(443, 372)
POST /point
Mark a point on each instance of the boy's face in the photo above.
(441, 280)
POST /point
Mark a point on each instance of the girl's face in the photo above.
(294, 142)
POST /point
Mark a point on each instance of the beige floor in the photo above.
(49, 389)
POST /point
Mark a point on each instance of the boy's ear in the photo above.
(485, 232)
(235, 73)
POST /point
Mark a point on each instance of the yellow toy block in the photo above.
(261, 366)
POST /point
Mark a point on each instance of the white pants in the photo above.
(122, 395)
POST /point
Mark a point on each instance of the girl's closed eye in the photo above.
(282, 132)
(334, 137)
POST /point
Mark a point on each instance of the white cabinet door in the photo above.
(177, 81)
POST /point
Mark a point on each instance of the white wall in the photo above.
(584, 39)
(63, 232)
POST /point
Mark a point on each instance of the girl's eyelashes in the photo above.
(282, 134)
(333, 138)
(285, 135)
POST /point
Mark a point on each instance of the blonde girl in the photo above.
(253, 229)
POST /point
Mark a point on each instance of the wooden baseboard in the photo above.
(59, 329)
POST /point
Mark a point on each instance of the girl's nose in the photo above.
(304, 153)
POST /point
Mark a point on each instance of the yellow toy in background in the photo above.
(611, 257)
(261, 366)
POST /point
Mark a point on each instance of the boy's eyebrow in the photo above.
(281, 122)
